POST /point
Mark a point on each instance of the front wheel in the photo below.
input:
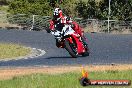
(86, 53)
(72, 50)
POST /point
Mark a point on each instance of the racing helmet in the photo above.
(57, 13)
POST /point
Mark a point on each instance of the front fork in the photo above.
(80, 46)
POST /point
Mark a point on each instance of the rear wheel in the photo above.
(71, 49)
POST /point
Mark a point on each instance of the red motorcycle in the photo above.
(67, 38)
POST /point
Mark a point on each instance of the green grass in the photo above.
(12, 50)
(66, 80)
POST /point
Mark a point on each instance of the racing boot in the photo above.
(57, 43)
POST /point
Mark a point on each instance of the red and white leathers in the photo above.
(62, 20)
(75, 26)
(59, 18)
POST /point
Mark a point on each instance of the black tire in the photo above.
(86, 53)
(69, 49)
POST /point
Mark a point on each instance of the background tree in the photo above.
(87, 9)
(68, 7)
(34, 7)
(120, 9)
(92, 9)
(81, 8)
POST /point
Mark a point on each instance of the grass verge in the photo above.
(65, 80)
(12, 51)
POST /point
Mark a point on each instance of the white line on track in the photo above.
(34, 53)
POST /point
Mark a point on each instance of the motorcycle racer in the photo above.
(59, 19)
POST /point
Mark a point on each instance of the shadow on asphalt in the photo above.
(58, 57)
(61, 57)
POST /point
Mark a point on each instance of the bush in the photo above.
(34, 7)
(120, 10)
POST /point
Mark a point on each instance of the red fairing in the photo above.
(80, 47)
(77, 28)
(70, 40)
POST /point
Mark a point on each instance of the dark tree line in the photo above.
(120, 9)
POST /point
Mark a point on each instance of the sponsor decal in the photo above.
(85, 81)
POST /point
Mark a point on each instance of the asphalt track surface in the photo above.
(104, 48)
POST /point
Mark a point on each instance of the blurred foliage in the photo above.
(120, 9)
(30, 7)
(68, 7)
(92, 9)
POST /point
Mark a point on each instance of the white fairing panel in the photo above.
(57, 34)
(67, 30)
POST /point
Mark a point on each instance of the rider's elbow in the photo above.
(48, 30)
